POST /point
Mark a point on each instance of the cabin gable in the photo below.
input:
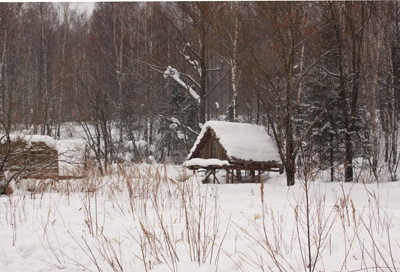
(210, 147)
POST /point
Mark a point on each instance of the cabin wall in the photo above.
(212, 148)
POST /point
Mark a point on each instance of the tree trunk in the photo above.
(338, 19)
(202, 114)
(2, 69)
(3, 77)
(290, 153)
(234, 70)
(372, 56)
(203, 66)
(61, 94)
(392, 124)
(290, 175)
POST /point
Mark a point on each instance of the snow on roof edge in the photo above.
(205, 162)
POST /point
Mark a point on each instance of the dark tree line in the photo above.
(323, 77)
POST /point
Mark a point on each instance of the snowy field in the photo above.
(158, 218)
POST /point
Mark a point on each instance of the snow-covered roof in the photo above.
(32, 139)
(246, 142)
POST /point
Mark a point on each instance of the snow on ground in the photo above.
(148, 217)
(71, 156)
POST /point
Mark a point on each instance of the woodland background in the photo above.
(323, 77)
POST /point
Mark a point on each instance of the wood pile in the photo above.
(31, 160)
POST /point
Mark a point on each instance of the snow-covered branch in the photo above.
(194, 63)
(175, 75)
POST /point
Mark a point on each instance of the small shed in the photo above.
(234, 147)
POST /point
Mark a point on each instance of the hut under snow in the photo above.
(234, 147)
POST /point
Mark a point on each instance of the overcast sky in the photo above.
(85, 6)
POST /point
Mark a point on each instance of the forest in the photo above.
(322, 77)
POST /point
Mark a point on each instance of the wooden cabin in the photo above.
(234, 147)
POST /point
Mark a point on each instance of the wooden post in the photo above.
(213, 171)
(239, 174)
(227, 175)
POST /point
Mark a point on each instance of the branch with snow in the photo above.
(194, 63)
(176, 122)
(175, 75)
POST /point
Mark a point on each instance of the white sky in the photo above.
(85, 6)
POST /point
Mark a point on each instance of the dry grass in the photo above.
(167, 222)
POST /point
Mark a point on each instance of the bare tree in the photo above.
(196, 24)
(284, 32)
(349, 21)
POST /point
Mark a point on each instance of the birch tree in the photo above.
(231, 31)
(376, 30)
